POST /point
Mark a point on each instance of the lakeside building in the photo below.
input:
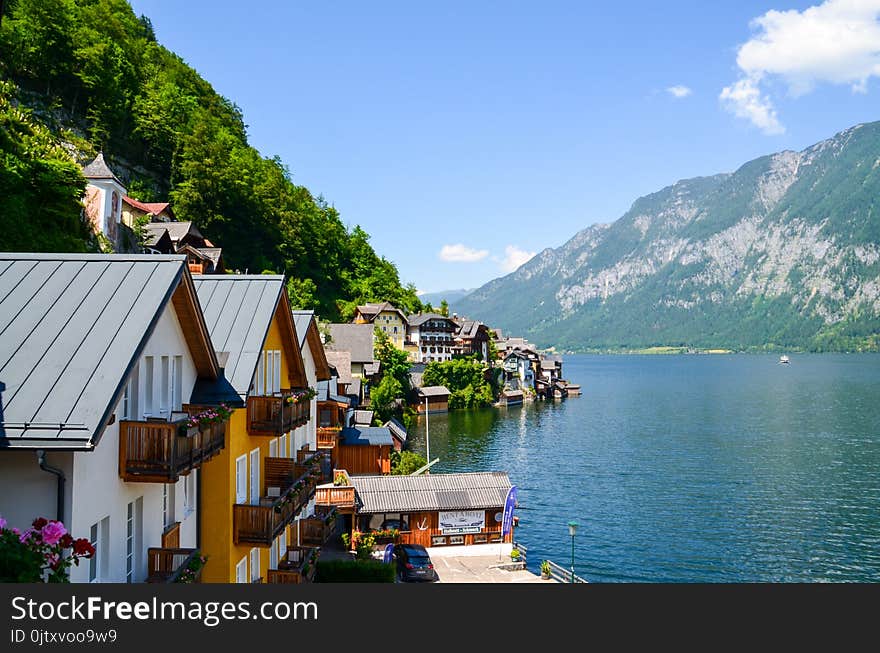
(103, 360)
(386, 317)
(433, 399)
(264, 480)
(472, 337)
(430, 337)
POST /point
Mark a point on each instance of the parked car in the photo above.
(413, 563)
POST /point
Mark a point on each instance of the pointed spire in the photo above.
(98, 169)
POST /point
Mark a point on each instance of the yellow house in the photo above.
(261, 483)
(386, 317)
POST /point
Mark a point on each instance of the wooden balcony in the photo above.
(327, 436)
(319, 528)
(317, 462)
(169, 565)
(261, 523)
(298, 566)
(275, 415)
(162, 452)
(340, 495)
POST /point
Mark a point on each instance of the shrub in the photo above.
(40, 553)
(354, 571)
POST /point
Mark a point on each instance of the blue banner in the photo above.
(389, 550)
(509, 505)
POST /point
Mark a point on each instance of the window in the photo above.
(255, 564)
(177, 383)
(148, 385)
(255, 477)
(241, 479)
(168, 504)
(395, 329)
(93, 561)
(259, 378)
(133, 536)
(189, 493)
(241, 571)
(164, 387)
(99, 536)
(270, 373)
(282, 447)
(276, 379)
(273, 448)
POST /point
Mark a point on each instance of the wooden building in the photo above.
(364, 450)
(433, 399)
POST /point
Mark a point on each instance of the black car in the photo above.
(413, 563)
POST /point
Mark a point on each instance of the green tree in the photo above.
(383, 398)
(465, 380)
(406, 462)
(444, 308)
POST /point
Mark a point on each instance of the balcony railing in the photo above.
(170, 565)
(161, 452)
(275, 415)
(319, 528)
(340, 494)
(298, 566)
(327, 436)
(317, 462)
(263, 522)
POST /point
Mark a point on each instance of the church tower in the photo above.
(103, 200)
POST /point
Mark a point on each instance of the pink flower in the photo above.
(2, 523)
(53, 532)
(26, 535)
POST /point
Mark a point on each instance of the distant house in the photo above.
(185, 238)
(133, 209)
(385, 317)
(472, 337)
(352, 346)
(433, 399)
(102, 204)
(364, 450)
(363, 418)
(518, 367)
(430, 337)
(510, 398)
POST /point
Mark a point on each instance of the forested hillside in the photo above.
(82, 76)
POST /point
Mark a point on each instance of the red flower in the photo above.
(66, 541)
(39, 522)
(82, 547)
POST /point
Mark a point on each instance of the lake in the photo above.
(691, 468)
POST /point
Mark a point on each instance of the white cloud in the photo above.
(513, 258)
(459, 253)
(836, 42)
(678, 91)
(744, 100)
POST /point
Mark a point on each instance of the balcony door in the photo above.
(255, 477)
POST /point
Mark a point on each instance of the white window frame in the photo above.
(273, 448)
(254, 556)
(149, 371)
(254, 476)
(283, 447)
(241, 479)
(164, 387)
(177, 383)
(241, 571)
(276, 371)
(190, 487)
(260, 378)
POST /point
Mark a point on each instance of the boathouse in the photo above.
(433, 399)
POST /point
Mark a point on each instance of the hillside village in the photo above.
(193, 425)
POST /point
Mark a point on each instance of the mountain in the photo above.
(451, 296)
(784, 253)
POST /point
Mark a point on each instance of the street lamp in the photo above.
(572, 530)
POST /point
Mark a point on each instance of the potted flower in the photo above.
(545, 570)
(515, 555)
(42, 553)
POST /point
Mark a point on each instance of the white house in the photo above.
(102, 202)
(98, 353)
(433, 337)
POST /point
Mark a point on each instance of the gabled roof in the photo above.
(155, 208)
(357, 339)
(307, 330)
(421, 318)
(341, 360)
(471, 329)
(239, 310)
(431, 492)
(98, 169)
(72, 327)
(372, 368)
(366, 435)
(176, 230)
(371, 310)
(363, 417)
(158, 239)
(434, 391)
(398, 431)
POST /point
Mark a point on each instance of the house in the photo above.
(317, 370)
(472, 337)
(103, 359)
(432, 399)
(364, 450)
(357, 340)
(510, 398)
(133, 210)
(430, 337)
(518, 367)
(341, 362)
(260, 484)
(398, 433)
(433, 509)
(335, 411)
(362, 418)
(385, 317)
(102, 205)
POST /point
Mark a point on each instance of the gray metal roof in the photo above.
(341, 360)
(372, 368)
(366, 435)
(421, 318)
(397, 429)
(363, 417)
(301, 322)
(357, 339)
(98, 169)
(238, 310)
(72, 327)
(434, 391)
(429, 492)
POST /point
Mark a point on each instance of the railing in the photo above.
(298, 566)
(274, 415)
(341, 497)
(262, 523)
(563, 575)
(318, 529)
(317, 462)
(161, 452)
(167, 565)
(327, 436)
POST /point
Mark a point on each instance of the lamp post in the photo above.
(572, 530)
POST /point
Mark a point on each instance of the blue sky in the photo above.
(465, 136)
